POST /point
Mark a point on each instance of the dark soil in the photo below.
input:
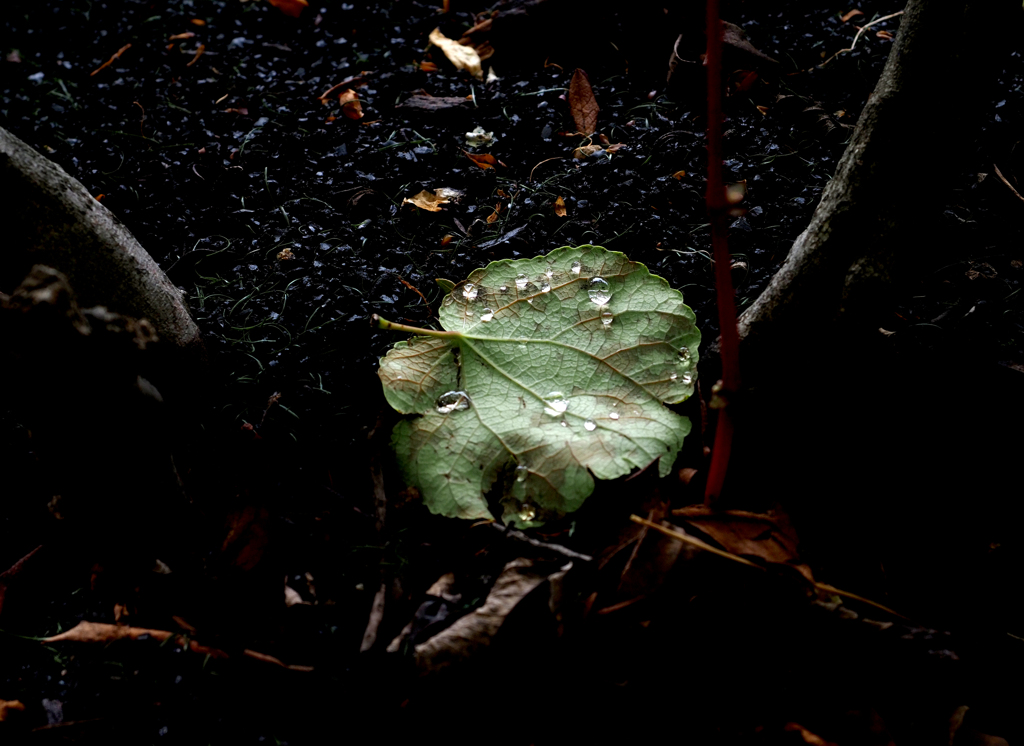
(218, 162)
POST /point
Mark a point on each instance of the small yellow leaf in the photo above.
(560, 207)
(464, 58)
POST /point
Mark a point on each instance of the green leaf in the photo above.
(445, 285)
(551, 371)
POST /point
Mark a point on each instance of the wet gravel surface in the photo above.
(283, 219)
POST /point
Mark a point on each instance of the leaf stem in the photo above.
(718, 206)
(382, 323)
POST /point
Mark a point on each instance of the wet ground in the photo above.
(282, 216)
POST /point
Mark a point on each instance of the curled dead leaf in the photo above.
(432, 201)
(463, 57)
(177, 37)
(494, 215)
(560, 207)
(291, 8)
(484, 160)
(8, 707)
(350, 105)
(582, 103)
(285, 254)
(850, 14)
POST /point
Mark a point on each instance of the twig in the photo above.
(413, 288)
(199, 53)
(556, 158)
(556, 548)
(1003, 179)
(718, 206)
(860, 31)
(117, 54)
(376, 615)
(693, 541)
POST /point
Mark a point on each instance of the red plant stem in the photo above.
(718, 207)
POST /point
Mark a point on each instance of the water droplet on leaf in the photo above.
(469, 291)
(684, 354)
(599, 292)
(590, 425)
(521, 473)
(452, 401)
(522, 281)
(503, 288)
(555, 403)
(545, 287)
(487, 315)
(575, 268)
(614, 416)
(527, 512)
(606, 318)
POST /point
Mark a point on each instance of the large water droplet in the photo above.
(687, 378)
(470, 291)
(452, 401)
(549, 273)
(555, 403)
(590, 425)
(613, 416)
(522, 473)
(673, 377)
(606, 318)
(487, 315)
(527, 512)
(503, 288)
(545, 287)
(575, 268)
(684, 354)
(598, 291)
(522, 281)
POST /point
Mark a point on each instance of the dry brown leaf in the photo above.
(483, 160)
(768, 536)
(432, 201)
(291, 8)
(185, 35)
(350, 105)
(98, 632)
(476, 630)
(285, 255)
(464, 58)
(560, 207)
(8, 706)
(847, 16)
(883, 34)
(494, 215)
(582, 104)
(678, 175)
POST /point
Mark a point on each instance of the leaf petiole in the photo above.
(382, 323)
